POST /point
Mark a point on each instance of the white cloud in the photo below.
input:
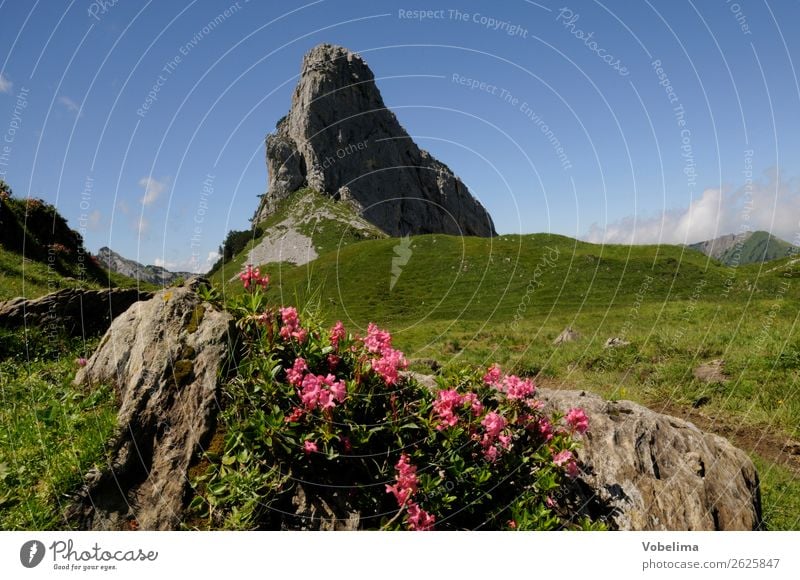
(141, 225)
(153, 189)
(211, 260)
(194, 264)
(772, 205)
(69, 104)
(5, 84)
(94, 221)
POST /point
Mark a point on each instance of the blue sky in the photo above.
(659, 121)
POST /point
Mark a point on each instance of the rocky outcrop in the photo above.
(133, 269)
(164, 357)
(341, 140)
(76, 311)
(649, 471)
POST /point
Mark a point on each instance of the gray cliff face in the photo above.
(341, 140)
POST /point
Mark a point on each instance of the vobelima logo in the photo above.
(31, 553)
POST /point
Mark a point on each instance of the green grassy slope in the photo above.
(327, 223)
(40, 253)
(507, 298)
(760, 247)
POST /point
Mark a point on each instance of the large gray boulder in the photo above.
(340, 139)
(648, 471)
(164, 357)
(75, 310)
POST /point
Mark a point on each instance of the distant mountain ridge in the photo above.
(746, 248)
(133, 269)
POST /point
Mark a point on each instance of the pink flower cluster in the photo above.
(515, 388)
(389, 361)
(495, 437)
(295, 374)
(337, 334)
(290, 325)
(448, 401)
(577, 420)
(324, 392)
(404, 489)
(314, 390)
(493, 376)
(253, 276)
(566, 460)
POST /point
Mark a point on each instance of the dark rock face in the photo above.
(340, 139)
(78, 312)
(164, 357)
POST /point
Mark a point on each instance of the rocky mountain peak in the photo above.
(340, 139)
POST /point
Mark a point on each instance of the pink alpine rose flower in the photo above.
(295, 374)
(493, 375)
(389, 365)
(337, 334)
(444, 405)
(418, 519)
(310, 447)
(377, 341)
(577, 420)
(290, 325)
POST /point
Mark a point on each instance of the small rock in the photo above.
(567, 335)
(616, 342)
(711, 372)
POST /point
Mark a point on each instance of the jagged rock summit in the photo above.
(341, 140)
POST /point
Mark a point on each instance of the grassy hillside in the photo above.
(327, 224)
(40, 253)
(746, 248)
(760, 247)
(506, 299)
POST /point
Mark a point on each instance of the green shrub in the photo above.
(332, 412)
